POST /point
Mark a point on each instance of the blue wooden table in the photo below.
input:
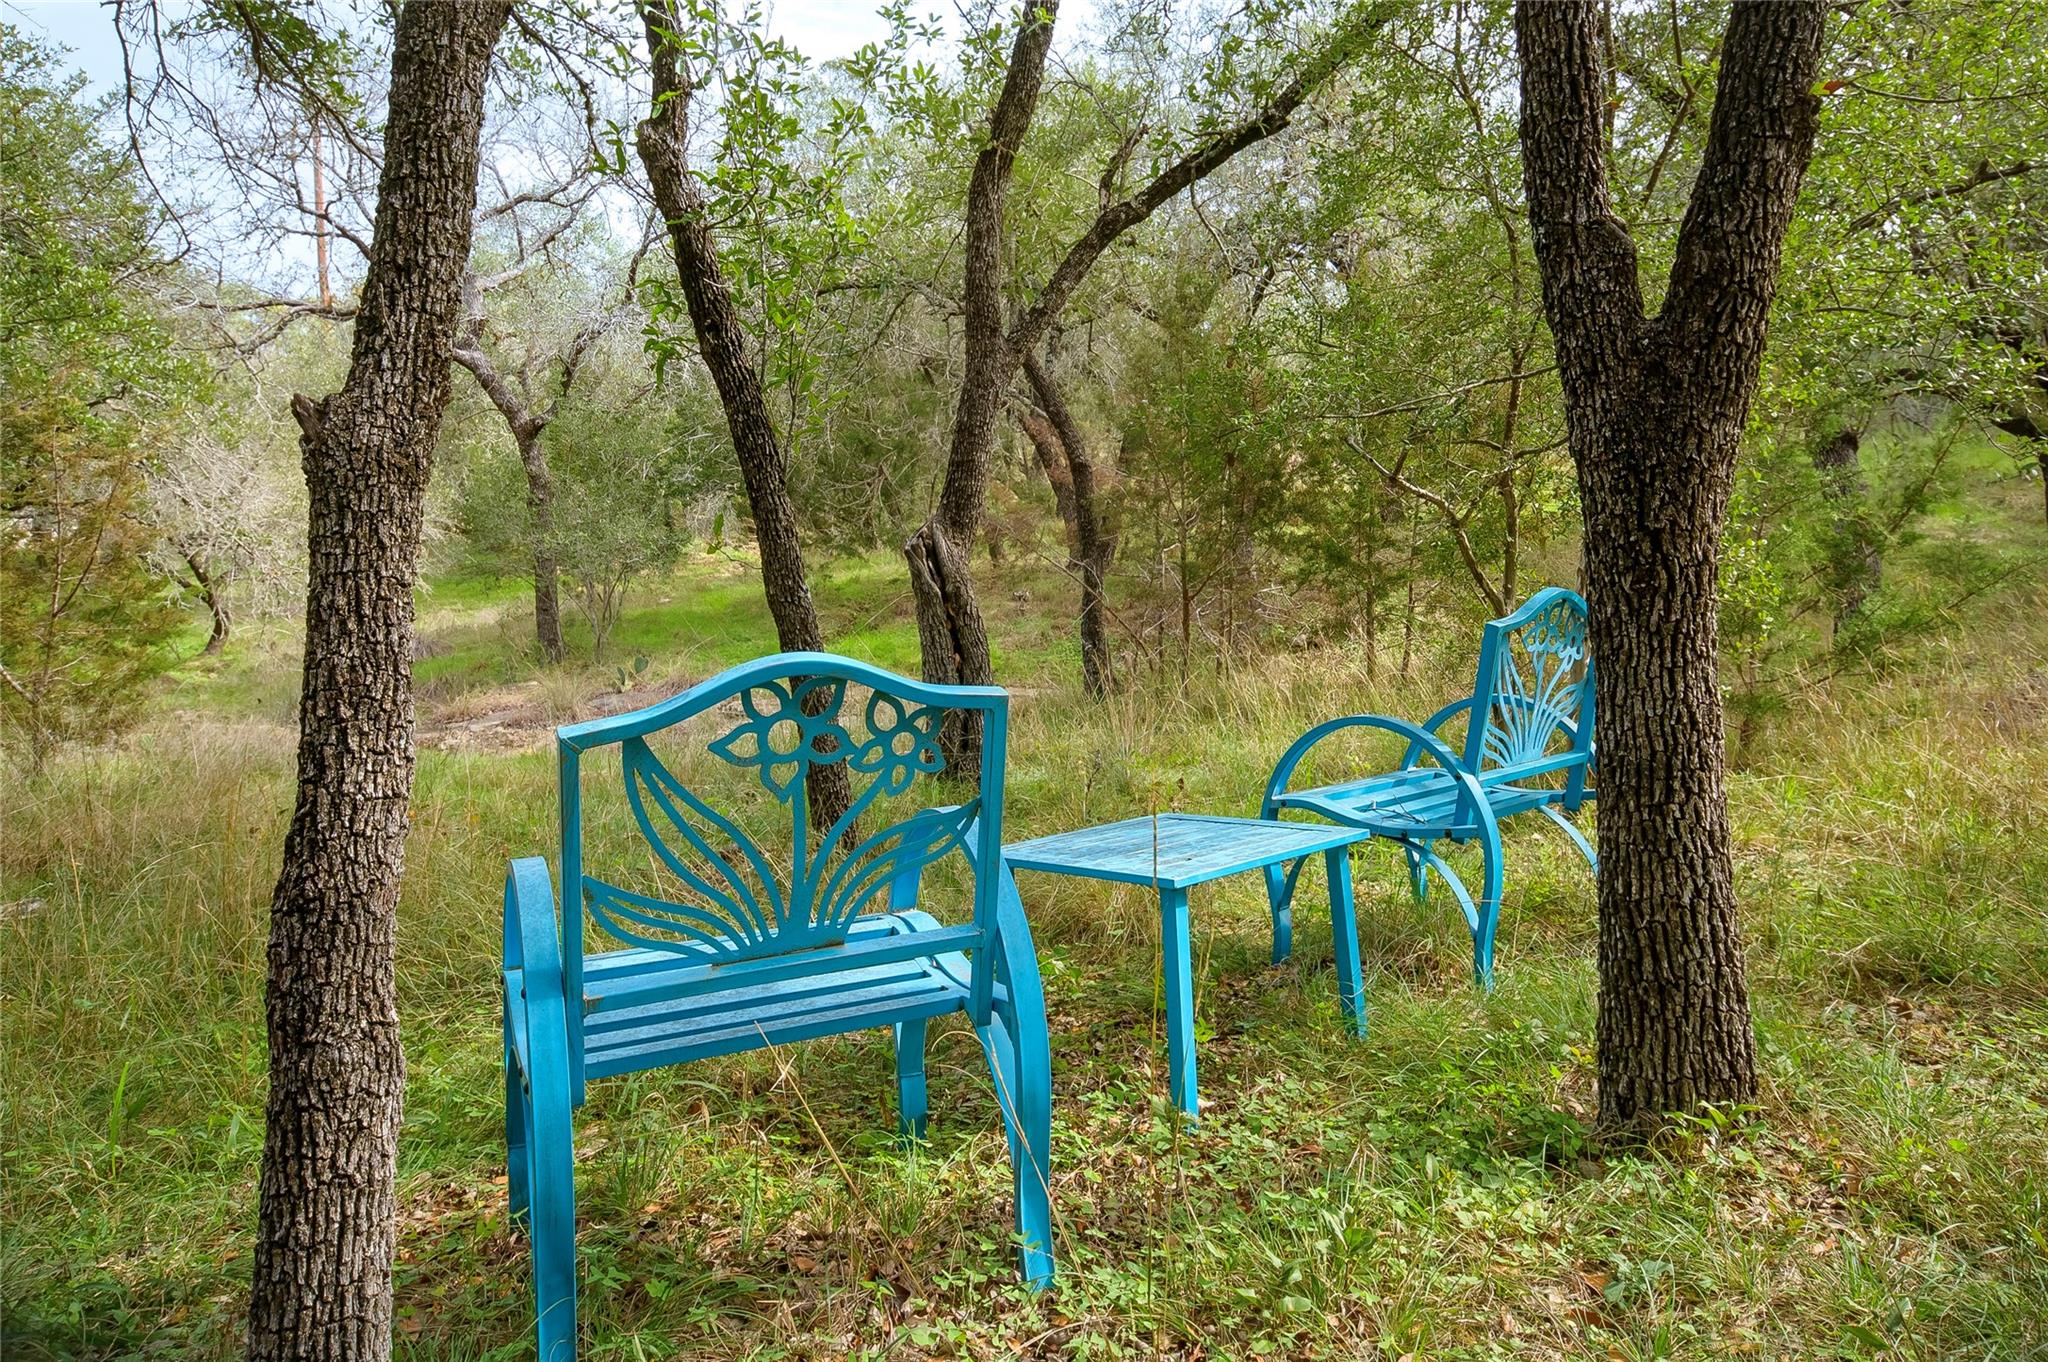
(1174, 852)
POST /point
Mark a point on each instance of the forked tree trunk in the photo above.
(663, 143)
(547, 573)
(950, 628)
(326, 1222)
(952, 636)
(1655, 407)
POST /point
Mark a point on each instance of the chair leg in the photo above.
(1479, 917)
(1571, 830)
(911, 1100)
(1019, 1052)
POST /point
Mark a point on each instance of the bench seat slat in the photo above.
(731, 1032)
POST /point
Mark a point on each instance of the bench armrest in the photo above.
(1419, 741)
(538, 1011)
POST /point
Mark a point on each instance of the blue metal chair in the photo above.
(747, 950)
(1528, 746)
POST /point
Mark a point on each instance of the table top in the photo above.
(1176, 850)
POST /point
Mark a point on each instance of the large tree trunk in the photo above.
(1655, 408)
(327, 1221)
(1095, 548)
(663, 138)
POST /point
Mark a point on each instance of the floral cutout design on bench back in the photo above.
(732, 900)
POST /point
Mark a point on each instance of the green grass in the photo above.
(1428, 1192)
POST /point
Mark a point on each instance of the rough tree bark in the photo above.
(326, 1227)
(663, 143)
(1094, 548)
(952, 637)
(1655, 408)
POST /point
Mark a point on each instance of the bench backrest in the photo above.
(729, 900)
(1532, 704)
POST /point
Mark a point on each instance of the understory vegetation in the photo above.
(1430, 1192)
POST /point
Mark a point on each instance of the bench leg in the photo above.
(1344, 938)
(1571, 830)
(1418, 872)
(1489, 914)
(1019, 1052)
(518, 1188)
(911, 1101)
(1178, 965)
(552, 1219)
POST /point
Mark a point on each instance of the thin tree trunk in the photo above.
(1655, 408)
(527, 426)
(1408, 615)
(327, 1214)
(1510, 500)
(1858, 568)
(1097, 549)
(1045, 443)
(663, 143)
(547, 575)
(216, 601)
(320, 218)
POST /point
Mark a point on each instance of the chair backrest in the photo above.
(729, 900)
(1532, 704)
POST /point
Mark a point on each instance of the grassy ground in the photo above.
(1429, 1192)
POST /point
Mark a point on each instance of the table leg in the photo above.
(1180, 997)
(1280, 898)
(1344, 937)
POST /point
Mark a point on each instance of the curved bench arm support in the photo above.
(542, 1095)
(1419, 741)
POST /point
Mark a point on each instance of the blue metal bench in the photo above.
(1528, 746)
(746, 949)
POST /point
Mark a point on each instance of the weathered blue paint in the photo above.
(749, 950)
(1172, 853)
(1529, 717)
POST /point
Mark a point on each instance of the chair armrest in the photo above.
(1419, 741)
